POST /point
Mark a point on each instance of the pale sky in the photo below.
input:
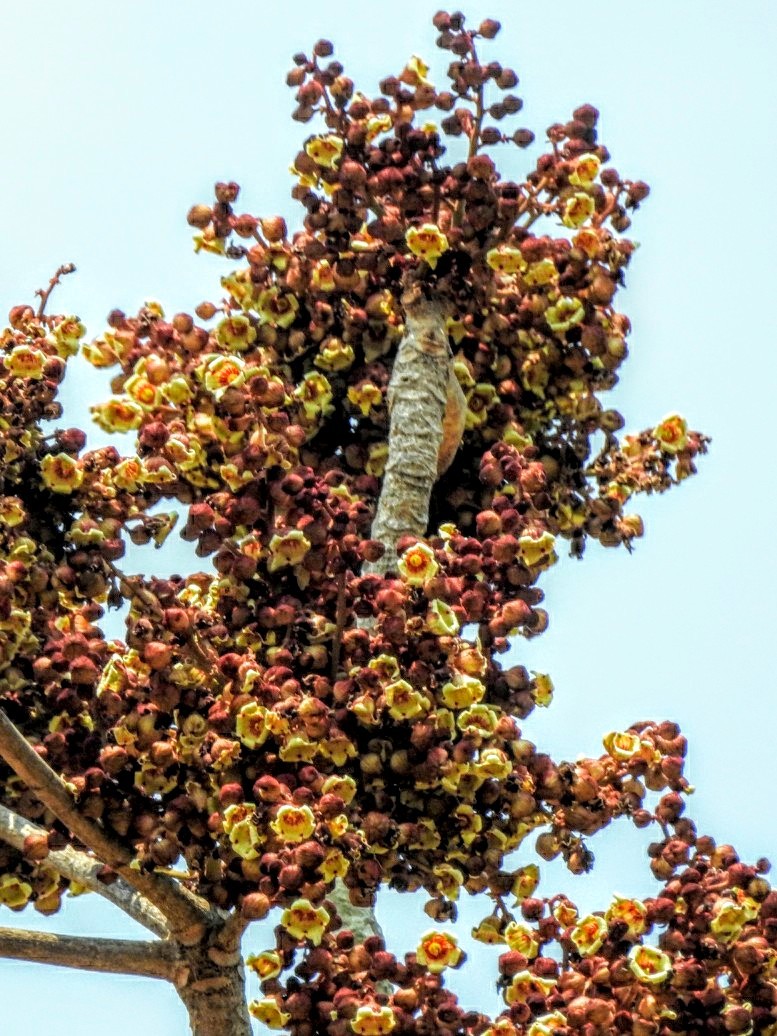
(117, 117)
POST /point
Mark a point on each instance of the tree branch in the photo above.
(188, 915)
(77, 866)
(116, 956)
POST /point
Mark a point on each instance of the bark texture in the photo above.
(214, 994)
(115, 956)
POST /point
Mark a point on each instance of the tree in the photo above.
(330, 703)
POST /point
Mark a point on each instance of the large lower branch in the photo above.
(187, 914)
(87, 871)
(116, 956)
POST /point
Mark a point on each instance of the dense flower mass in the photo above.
(297, 715)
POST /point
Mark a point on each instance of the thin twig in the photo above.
(44, 293)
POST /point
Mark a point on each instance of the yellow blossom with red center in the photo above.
(338, 826)
(235, 332)
(649, 964)
(630, 911)
(61, 472)
(373, 1020)
(365, 396)
(304, 921)
(129, 474)
(267, 964)
(672, 434)
(377, 455)
(243, 833)
(12, 511)
(294, 823)
(539, 273)
(268, 1012)
(622, 745)
(449, 880)
(223, 372)
(565, 913)
(414, 73)
(728, 920)
(378, 124)
(404, 701)
(14, 893)
(501, 1027)
(566, 313)
(493, 763)
(525, 984)
(335, 355)
(417, 565)
(462, 692)
(315, 394)
(470, 660)
(478, 722)
(525, 882)
(505, 259)
(588, 240)
(334, 865)
(437, 951)
(586, 170)
(287, 548)
(589, 933)
(470, 823)
(537, 551)
(25, 361)
(326, 150)
(522, 939)
(343, 787)
(66, 336)
(427, 242)
(547, 1024)
(142, 391)
(277, 309)
(480, 399)
(542, 689)
(251, 724)
(578, 210)
(322, 278)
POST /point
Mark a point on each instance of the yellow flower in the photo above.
(333, 866)
(24, 361)
(236, 332)
(12, 511)
(335, 355)
(304, 921)
(622, 745)
(365, 396)
(672, 434)
(650, 965)
(377, 455)
(373, 1020)
(243, 834)
(441, 619)
(449, 880)
(325, 151)
(501, 1027)
(522, 939)
(462, 692)
(142, 391)
(61, 472)
(586, 171)
(567, 312)
(287, 549)
(276, 309)
(525, 882)
(414, 73)
(267, 964)
(343, 787)
(524, 984)
(67, 334)
(478, 721)
(480, 399)
(542, 690)
(338, 749)
(547, 1024)
(489, 931)
(14, 892)
(537, 551)
(505, 259)
(315, 394)
(417, 564)
(589, 933)
(322, 277)
(404, 701)
(630, 911)
(542, 272)
(577, 210)
(338, 826)
(378, 124)
(294, 823)
(588, 241)
(118, 415)
(728, 920)
(268, 1012)
(297, 749)
(565, 913)
(251, 725)
(470, 823)
(493, 763)
(223, 372)
(427, 242)
(437, 951)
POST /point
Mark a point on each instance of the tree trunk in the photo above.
(215, 996)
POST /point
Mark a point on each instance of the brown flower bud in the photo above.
(255, 906)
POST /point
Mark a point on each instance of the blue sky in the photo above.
(117, 117)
